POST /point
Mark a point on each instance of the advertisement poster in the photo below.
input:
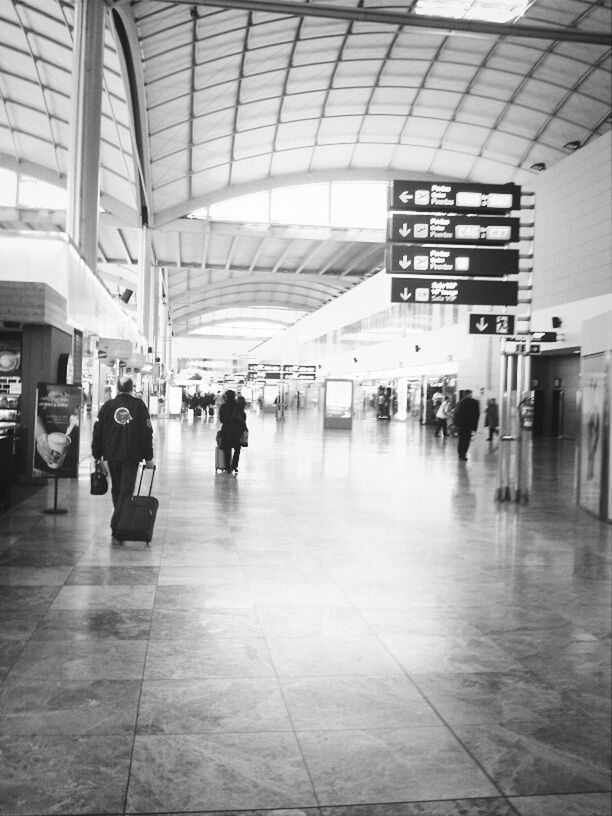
(339, 398)
(56, 445)
(10, 354)
(591, 432)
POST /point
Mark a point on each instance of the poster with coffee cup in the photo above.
(57, 430)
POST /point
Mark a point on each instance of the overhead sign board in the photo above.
(299, 372)
(544, 337)
(454, 292)
(500, 324)
(452, 229)
(454, 197)
(268, 371)
(469, 261)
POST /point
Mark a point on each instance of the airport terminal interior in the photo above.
(349, 213)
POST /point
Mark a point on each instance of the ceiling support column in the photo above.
(148, 303)
(84, 160)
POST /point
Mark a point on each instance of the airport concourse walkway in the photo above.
(351, 627)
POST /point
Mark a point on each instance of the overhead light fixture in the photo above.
(539, 166)
(573, 145)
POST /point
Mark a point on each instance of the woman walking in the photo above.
(233, 425)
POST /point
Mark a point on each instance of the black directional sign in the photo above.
(544, 337)
(489, 230)
(468, 261)
(299, 372)
(501, 324)
(455, 197)
(454, 292)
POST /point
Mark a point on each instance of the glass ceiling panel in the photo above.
(498, 11)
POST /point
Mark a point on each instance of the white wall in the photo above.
(573, 240)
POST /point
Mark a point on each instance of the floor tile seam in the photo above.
(29, 639)
(292, 723)
(452, 731)
(136, 717)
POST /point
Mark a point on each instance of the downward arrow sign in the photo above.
(404, 262)
(405, 197)
(482, 324)
(405, 230)
(405, 294)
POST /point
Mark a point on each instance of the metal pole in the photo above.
(468, 28)
(502, 426)
(511, 436)
(519, 430)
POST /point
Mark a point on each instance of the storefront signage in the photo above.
(56, 436)
(113, 348)
(10, 354)
(438, 260)
(454, 292)
(456, 197)
(412, 228)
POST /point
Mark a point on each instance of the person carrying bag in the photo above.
(233, 428)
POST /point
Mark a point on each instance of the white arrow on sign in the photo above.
(405, 196)
(482, 324)
(405, 294)
(405, 230)
(404, 262)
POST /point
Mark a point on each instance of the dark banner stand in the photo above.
(55, 510)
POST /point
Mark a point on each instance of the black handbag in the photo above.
(244, 439)
(98, 481)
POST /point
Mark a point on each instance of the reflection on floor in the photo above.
(352, 626)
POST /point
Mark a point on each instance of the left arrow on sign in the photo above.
(405, 196)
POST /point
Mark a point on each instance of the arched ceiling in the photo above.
(235, 96)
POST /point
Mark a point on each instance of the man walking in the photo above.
(122, 437)
(466, 418)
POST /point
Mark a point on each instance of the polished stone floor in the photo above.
(351, 627)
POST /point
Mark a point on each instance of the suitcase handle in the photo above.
(142, 469)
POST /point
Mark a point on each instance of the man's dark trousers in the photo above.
(463, 443)
(123, 479)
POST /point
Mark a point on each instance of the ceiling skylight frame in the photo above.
(491, 11)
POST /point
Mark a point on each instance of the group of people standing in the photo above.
(464, 418)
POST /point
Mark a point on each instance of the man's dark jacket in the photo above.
(123, 432)
(466, 414)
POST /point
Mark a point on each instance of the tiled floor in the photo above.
(351, 627)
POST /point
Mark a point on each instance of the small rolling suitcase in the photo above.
(219, 459)
(137, 517)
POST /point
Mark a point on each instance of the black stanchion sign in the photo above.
(454, 292)
(455, 197)
(413, 228)
(56, 438)
(500, 324)
(470, 262)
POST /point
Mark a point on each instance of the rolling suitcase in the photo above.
(219, 459)
(137, 517)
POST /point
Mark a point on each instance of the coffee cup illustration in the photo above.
(58, 447)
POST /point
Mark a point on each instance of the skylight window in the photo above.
(352, 204)
(493, 11)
